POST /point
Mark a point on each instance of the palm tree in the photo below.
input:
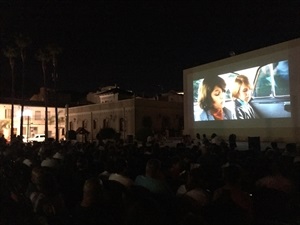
(44, 57)
(11, 54)
(22, 42)
(54, 51)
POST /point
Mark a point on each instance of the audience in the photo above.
(207, 184)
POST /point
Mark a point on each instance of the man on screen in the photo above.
(212, 100)
(242, 93)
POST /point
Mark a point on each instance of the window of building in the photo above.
(122, 124)
(25, 130)
(7, 113)
(94, 124)
(84, 123)
(37, 115)
(105, 123)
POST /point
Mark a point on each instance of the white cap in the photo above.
(297, 159)
(57, 155)
(48, 163)
(27, 162)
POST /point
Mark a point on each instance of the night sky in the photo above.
(143, 46)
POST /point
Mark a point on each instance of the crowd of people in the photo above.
(112, 182)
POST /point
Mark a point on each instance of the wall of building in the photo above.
(94, 117)
(164, 114)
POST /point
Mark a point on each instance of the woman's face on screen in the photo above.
(218, 96)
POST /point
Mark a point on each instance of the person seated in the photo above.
(119, 173)
(93, 208)
(195, 188)
(231, 191)
(153, 179)
(172, 172)
(47, 200)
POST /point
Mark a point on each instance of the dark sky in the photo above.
(137, 44)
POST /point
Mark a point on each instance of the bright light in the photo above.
(27, 112)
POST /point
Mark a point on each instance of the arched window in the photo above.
(105, 123)
(84, 123)
(122, 124)
(95, 124)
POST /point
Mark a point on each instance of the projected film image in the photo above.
(253, 93)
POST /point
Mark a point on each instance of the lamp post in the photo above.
(55, 77)
(27, 113)
(67, 122)
(28, 127)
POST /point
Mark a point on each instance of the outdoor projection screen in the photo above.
(274, 73)
(270, 94)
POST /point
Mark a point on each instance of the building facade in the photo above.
(33, 120)
(127, 116)
(109, 108)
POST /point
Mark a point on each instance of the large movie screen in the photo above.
(254, 93)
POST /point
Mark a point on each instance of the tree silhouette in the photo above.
(44, 57)
(22, 42)
(11, 54)
(54, 51)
